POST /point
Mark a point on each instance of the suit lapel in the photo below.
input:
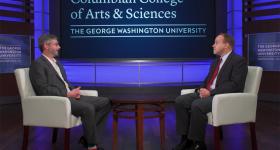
(224, 66)
(212, 69)
(61, 70)
(51, 67)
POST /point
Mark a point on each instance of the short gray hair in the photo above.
(44, 39)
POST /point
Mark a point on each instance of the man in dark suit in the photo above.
(227, 75)
(48, 78)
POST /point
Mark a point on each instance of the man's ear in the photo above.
(228, 47)
(45, 46)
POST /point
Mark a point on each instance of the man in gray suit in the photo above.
(227, 74)
(48, 78)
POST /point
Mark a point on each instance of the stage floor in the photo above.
(236, 137)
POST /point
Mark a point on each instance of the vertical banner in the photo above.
(264, 50)
(14, 52)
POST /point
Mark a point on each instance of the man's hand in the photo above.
(75, 93)
(203, 93)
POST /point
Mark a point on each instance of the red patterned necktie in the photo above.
(215, 73)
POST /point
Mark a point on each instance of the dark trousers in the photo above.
(191, 118)
(91, 110)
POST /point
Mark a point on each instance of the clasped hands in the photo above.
(75, 93)
(203, 93)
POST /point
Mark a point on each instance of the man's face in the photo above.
(52, 47)
(219, 45)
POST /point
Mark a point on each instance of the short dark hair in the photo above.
(44, 39)
(228, 39)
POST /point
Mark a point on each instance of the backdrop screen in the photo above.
(137, 28)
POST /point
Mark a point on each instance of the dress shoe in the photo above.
(100, 148)
(83, 141)
(183, 145)
(198, 146)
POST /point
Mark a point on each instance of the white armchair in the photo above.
(45, 111)
(233, 108)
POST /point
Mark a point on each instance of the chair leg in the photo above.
(54, 136)
(162, 130)
(66, 139)
(25, 137)
(217, 138)
(221, 133)
(253, 136)
(115, 130)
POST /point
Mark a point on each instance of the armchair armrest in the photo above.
(233, 108)
(187, 91)
(89, 92)
(48, 111)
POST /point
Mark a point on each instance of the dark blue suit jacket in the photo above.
(231, 77)
(45, 80)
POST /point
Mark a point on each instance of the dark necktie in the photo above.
(214, 75)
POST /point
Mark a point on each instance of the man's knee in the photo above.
(199, 105)
(104, 105)
(106, 102)
(195, 105)
(184, 100)
(180, 99)
(88, 110)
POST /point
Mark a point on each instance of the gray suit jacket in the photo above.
(231, 77)
(45, 80)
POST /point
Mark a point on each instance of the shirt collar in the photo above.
(50, 60)
(225, 56)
